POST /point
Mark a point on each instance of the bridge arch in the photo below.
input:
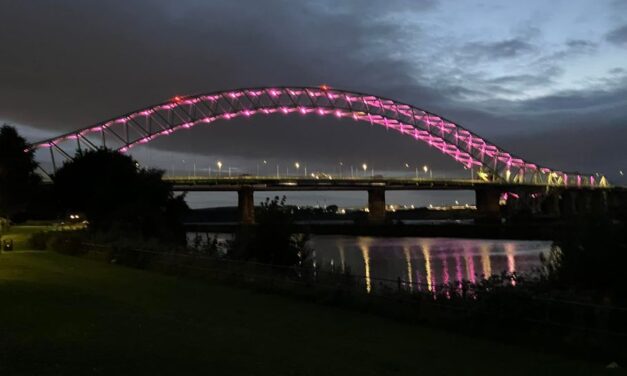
(465, 147)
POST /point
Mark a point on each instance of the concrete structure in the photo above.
(376, 205)
(246, 205)
(529, 199)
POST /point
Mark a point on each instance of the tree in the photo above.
(591, 260)
(18, 180)
(118, 196)
(273, 240)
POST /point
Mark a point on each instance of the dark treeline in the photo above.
(116, 197)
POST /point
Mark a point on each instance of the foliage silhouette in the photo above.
(118, 196)
(591, 261)
(273, 240)
(18, 180)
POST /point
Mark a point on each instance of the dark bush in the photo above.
(39, 241)
(69, 243)
(273, 240)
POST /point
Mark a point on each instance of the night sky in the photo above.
(544, 80)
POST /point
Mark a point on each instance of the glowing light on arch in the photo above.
(470, 150)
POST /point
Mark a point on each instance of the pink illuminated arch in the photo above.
(465, 147)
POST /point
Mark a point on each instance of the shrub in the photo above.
(69, 243)
(39, 241)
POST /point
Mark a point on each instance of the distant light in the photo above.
(177, 98)
(407, 165)
(621, 172)
(364, 166)
(324, 87)
(297, 165)
(219, 164)
(425, 168)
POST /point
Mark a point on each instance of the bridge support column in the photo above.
(583, 203)
(599, 203)
(246, 205)
(551, 204)
(487, 202)
(376, 205)
(617, 203)
(569, 204)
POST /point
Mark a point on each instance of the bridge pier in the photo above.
(583, 203)
(599, 203)
(376, 205)
(569, 204)
(246, 205)
(487, 202)
(617, 203)
(551, 204)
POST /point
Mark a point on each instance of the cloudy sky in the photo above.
(545, 80)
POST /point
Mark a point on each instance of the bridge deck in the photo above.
(338, 184)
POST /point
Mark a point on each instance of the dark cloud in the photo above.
(542, 77)
(618, 36)
(504, 49)
(67, 64)
(85, 62)
(581, 45)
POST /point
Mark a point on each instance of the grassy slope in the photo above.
(66, 315)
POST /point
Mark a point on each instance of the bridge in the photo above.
(499, 171)
(552, 200)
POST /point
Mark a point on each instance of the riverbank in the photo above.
(452, 229)
(70, 315)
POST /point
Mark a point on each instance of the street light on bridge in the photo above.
(407, 166)
(219, 168)
(365, 167)
(426, 169)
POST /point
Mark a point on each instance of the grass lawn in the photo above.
(63, 315)
(21, 234)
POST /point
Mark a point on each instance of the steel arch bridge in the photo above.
(465, 147)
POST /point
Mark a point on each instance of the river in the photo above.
(424, 262)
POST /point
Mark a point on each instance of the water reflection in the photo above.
(426, 263)
(427, 257)
(423, 263)
(365, 254)
(410, 278)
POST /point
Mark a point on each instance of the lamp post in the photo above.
(365, 167)
(219, 168)
(426, 169)
(297, 165)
